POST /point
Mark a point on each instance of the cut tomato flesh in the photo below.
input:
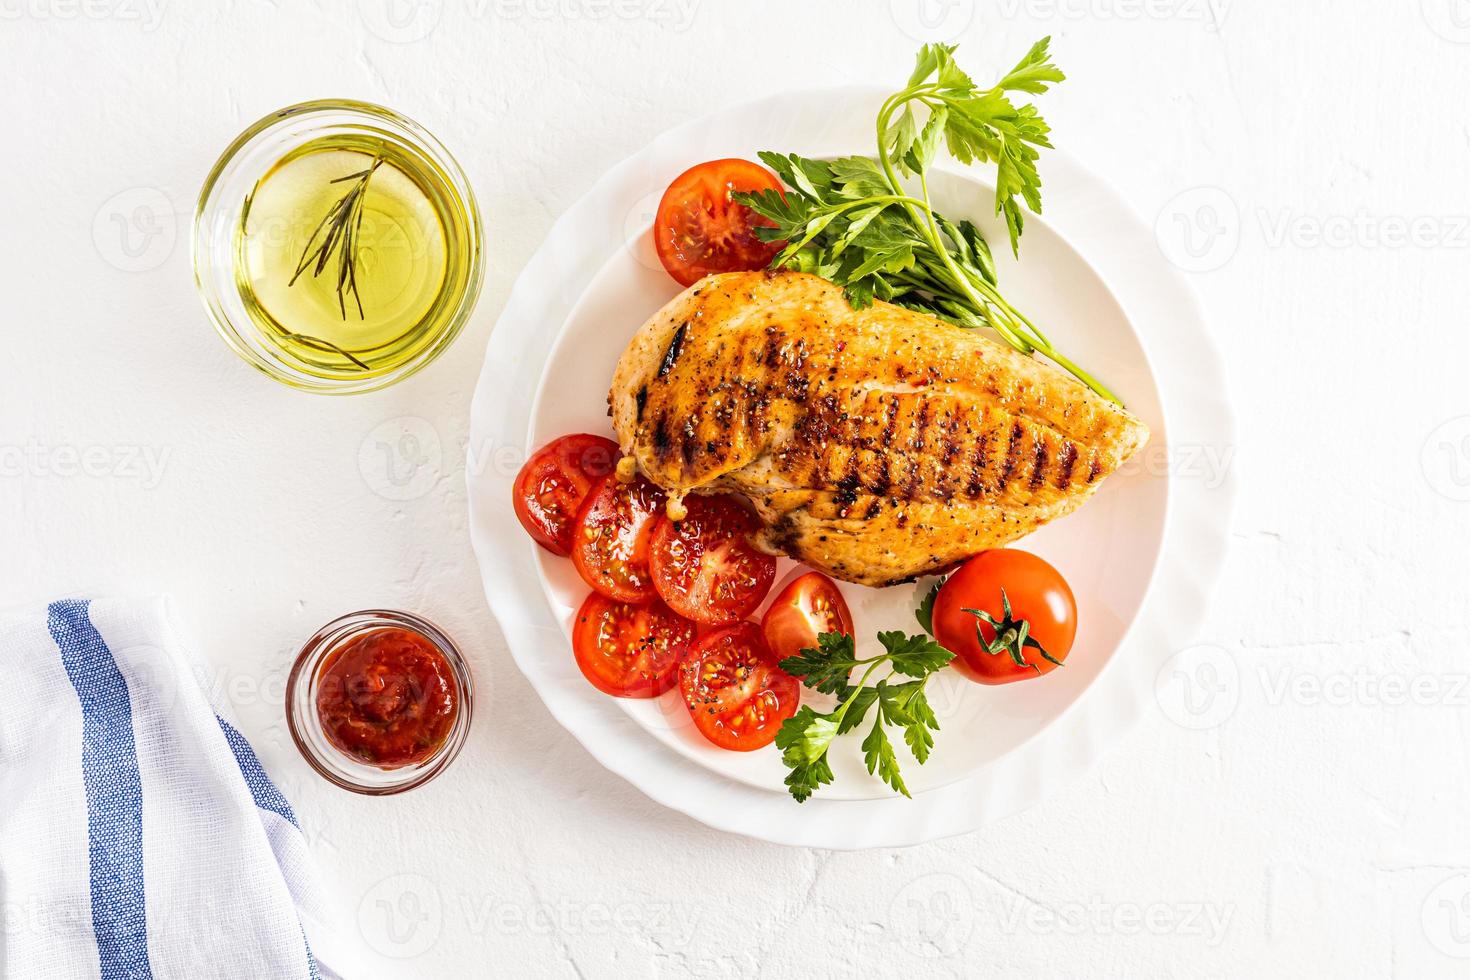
(699, 230)
(705, 567)
(610, 542)
(550, 488)
(808, 605)
(737, 695)
(630, 650)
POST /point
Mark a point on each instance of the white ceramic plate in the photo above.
(1090, 274)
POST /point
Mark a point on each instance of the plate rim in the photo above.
(1000, 785)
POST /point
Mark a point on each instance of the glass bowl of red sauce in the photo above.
(379, 701)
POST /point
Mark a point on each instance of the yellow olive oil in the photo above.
(351, 253)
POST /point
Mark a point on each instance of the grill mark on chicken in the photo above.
(689, 444)
(1013, 453)
(916, 460)
(874, 444)
(662, 444)
(845, 450)
(949, 425)
(675, 348)
(847, 493)
(885, 479)
(1038, 467)
(978, 466)
(1066, 459)
(773, 356)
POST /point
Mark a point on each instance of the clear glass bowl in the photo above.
(306, 726)
(219, 222)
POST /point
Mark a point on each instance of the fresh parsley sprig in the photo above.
(853, 221)
(806, 738)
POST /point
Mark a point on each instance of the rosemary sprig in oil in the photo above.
(338, 233)
(316, 343)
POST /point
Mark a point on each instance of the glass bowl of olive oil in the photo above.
(337, 247)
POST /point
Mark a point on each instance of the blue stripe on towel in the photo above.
(266, 797)
(262, 790)
(114, 793)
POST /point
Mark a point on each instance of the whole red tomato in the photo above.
(1007, 615)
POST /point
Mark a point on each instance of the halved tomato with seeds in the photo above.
(736, 692)
(630, 650)
(809, 605)
(705, 567)
(550, 488)
(610, 541)
(698, 230)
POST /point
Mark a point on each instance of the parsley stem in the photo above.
(937, 242)
(841, 711)
(884, 114)
(1014, 327)
(934, 237)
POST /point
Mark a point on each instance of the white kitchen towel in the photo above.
(139, 835)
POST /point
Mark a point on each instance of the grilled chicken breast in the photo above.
(876, 445)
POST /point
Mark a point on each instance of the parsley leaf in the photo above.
(1034, 72)
(907, 706)
(852, 220)
(805, 739)
(825, 668)
(862, 699)
(916, 656)
(878, 754)
(925, 612)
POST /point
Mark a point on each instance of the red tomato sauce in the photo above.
(387, 698)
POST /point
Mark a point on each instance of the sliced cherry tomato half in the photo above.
(736, 693)
(705, 567)
(630, 650)
(1038, 596)
(807, 606)
(550, 488)
(699, 230)
(611, 537)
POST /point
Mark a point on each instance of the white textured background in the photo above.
(1308, 162)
